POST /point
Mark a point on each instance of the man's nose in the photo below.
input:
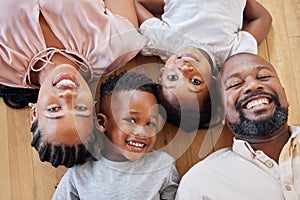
(253, 85)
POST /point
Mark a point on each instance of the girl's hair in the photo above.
(17, 98)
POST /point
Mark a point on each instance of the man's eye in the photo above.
(195, 81)
(54, 109)
(263, 77)
(235, 85)
(172, 77)
(81, 108)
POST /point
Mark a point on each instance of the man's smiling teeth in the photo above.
(257, 102)
(136, 144)
(66, 82)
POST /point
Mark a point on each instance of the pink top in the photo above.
(104, 41)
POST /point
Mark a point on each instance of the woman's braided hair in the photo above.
(17, 98)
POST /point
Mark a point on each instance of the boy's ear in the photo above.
(102, 122)
(33, 114)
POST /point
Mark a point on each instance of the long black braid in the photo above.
(17, 98)
(64, 155)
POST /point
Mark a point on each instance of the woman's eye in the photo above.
(195, 81)
(81, 108)
(54, 109)
(172, 77)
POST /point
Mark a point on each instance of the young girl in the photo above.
(188, 29)
(215, 25)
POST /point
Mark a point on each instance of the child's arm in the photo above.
(125, 8)
(148, 8)
(258, 20)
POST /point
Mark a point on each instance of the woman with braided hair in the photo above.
(60, 47)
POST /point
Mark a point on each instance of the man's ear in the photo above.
(33, 114)
(102, 122)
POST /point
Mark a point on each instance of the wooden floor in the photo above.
(23, 176)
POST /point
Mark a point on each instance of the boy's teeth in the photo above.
(257, 102)
(136, 144)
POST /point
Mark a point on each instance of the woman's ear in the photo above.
(102, 122)
(33, 113)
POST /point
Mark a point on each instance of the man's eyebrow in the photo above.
(258, 68)
(264, 67)
(231, 76)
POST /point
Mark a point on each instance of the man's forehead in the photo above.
(245, 62)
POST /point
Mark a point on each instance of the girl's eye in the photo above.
(53, 109)
(172, 77)
(81, 108)
(195, 81)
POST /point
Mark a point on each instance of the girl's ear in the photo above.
(160, 74)
(33, 114)
(102, 122)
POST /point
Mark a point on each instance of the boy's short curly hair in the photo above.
(126, 81)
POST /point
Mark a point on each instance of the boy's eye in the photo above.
(151, 124)
(172, 77)
(130, 120)
(195, 81)
(81, 108)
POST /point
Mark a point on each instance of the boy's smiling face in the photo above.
(131, 119)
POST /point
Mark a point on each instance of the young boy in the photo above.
(127, 167)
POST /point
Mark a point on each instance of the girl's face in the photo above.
(186, 79)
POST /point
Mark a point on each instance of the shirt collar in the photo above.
(244, 148)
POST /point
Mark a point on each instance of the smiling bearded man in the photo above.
(264, 160)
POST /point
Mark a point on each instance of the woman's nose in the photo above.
(67, 94)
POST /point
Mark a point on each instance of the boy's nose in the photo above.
(140, 132)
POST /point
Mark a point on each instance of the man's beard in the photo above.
(260, 128)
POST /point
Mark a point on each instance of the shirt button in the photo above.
(288, 188)
(269, 164)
